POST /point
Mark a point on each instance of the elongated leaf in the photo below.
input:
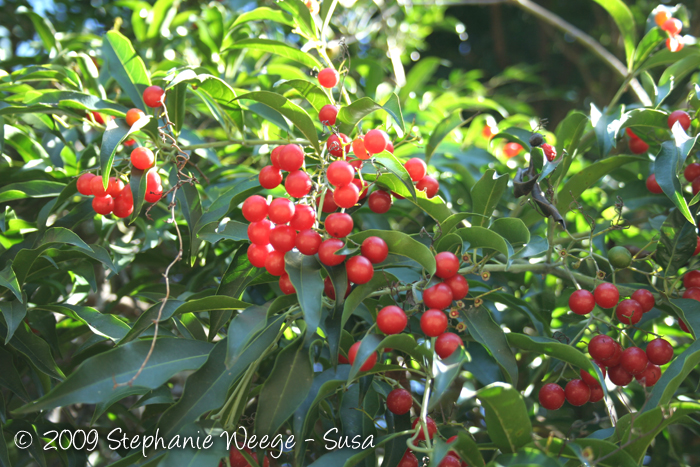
(467, 449)
(442, 130)
(372, 342)
(647, 45)
(665, 169)
(285, 389)
(116, 133)
(419, 75)
(481, 237)
(94, 380)
(606, 124)
(677, 243)
(13, 312)
(293, 112)
(402, 244)
(30, 189)
(361, 292)
(263, 13)
(391, 163)
(506, 416)
(486, 332)
(674, 74)
(512, 229)
(309, 91)
(305, 274)
(243, 328)
(486, 194)
(125, 66)
(279, 48)
(609, 454)
(445, 371)
(350, 115)
(302, 16)
(625, 21)
(138, 184)
(435, 207)
(44, 29)
(674, 376)
(191, 207)
(8, 279)
(9, 378)
(105, 325)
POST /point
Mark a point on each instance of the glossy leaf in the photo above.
(442, 130)
(393, 165)
(14, 312)
(305, 275)
(302, 17)
(486, 332)
(30, 189)
(242, 329)
(666, 176)
(445, 371)
(401, 244)
(506, 416)
(481, 237)
(117, 132)
(263, 13)
(677, 243)
(605, 124)
(486, 194)
(625, 22)
(309, 91)
(126, 66)
(665, 389)
(350, 115)
(279, 48)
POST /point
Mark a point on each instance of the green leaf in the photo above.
(569, 132)
(486, 332)
(402, 244)
(263, 13)
(114, 135)
(302, 16)
(588, 177)
(176, 105)
(242, 329)
(9, 378)
(309, 91)
(351, 114)
(516, 135)
(442, 130)
(94, 380)
(675, 74)
(285, 389)
(158, 17)
(125, 66)
(665, 168)
(100, 324)
(138, 184)
(13, 312)
(279, 48)
(677, 243)
(625, 21)
(467, 449)
(30, 189)
(8, 279)
(486, 194)
(305, 274)
(512, 229)
(525, 457)
(44, 29)
(293, 112)
(481, 237)
(372, 342)
(606, 126)
(361, 292)
(191, 208)
(647, 45)
(35, 349)
(393, 165)
(445, 371)
(418, 76)
(614, 457)
(506, 416)
(647, 119)
(435, 207)
(207, 388)
(674, 375)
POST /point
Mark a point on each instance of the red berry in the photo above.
(674, 44)
(638, 146)
(629, 311)
(634, 360)
(438, 296)
(581, 302)
(606, 295)
(645, 299)
(433, 322)
(103, 204)
(133, 116)
(447, 343)
(695, 186)
(124, 204)
(429, 185)
(291, 157)
(399, 401)
(649, 376)
(281, 210)
(653, 185)
(683, 326)
(692, 293)
(408, 460)
(376, 141)
(550, 151)
(430, 424)
(328, 114)
(577, 392)
(691, 279)
(270, 177)
(275, 157)
(97, 187)
(338, 145)
(601, 347)
(84, 184)
(597, 393)
(631, 133)
(679, 116)
(257, 254)
(446, 264)
(592, 380)
(142, 158)
(114, 187)
(659, 351)
(356, 164)
(254, 208)
(619, 377)
(340, 173)
(450, 461)
(130, 142)
(327, 249)
(391, 320)
(283, 237)
(298, 184)
(329, 288)
(362, 187)
(672, 26)
(328, 78)
(342, 359)
(692, 171)
(153, 96)
(358, 147)
(368, 364)
(512, 149)
(614, 360)
(286, 285)
(416, 168)
(236, 459)
(359, 269)
(374, 249)
(328, 202)
(274, 263)
(552, 396)
(346, 196)
(154, 189)
(339, 224)
(308, 241)
(459, 286)
(379, 201)
(304, 217)
(390, 147)
(259, 232)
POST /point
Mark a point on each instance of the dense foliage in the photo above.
(147, 171)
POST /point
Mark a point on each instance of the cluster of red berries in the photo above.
(117, 198)
(452, 459)
(606, 295)
(636, 144)
(673, 27)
